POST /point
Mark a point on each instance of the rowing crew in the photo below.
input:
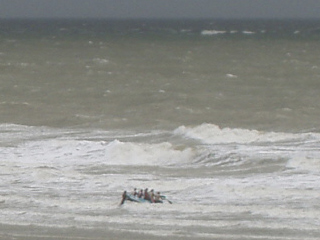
(150, 196)
(143, 196)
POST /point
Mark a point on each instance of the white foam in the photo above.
(229, 75)
(100, 61)
(69, 177)
(210, 134)
(121, 153)
(304, 164)
(248, 32)
(212, 32)
(72, 152)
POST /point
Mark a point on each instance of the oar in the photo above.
(122, 201)
(165, 198)
(124, 197)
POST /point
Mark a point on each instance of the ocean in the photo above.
(221, 116)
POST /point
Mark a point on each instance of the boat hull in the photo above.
(136, 199)
(133, 198)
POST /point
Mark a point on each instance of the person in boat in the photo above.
(140, 194)
(147, 195)
(134, 193)
(124, 197)
(158, 198)
(152, 196)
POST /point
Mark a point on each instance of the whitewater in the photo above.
(221, 117)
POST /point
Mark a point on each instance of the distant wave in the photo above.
(275, 28)
(213, 134)
(222, 32)
(212, 32)
(193, 146)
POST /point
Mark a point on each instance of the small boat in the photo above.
(133, 198)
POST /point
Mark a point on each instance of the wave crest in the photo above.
(211, 134)
(143, 154)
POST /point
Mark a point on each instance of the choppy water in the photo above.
(221, 117)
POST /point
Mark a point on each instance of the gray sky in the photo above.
(160, 8)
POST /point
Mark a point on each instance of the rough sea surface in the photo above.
(222, 117)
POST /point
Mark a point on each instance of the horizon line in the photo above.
(164, 19)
